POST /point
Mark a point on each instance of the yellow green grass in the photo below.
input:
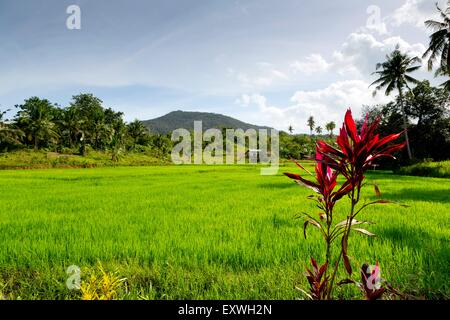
(206, 232)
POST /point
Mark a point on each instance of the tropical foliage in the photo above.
(354, 153)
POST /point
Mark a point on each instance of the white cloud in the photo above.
(325, 105)
(331, 102)
(362, 51)
(265, 76)
(313, 63)
(414, 12)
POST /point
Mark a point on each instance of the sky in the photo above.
(265, 62)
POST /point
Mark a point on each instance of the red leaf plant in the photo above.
(355, 152)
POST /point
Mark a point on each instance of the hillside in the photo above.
(184, 119)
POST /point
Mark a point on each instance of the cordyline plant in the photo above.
(354, 154)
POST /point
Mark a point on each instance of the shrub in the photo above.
(427, 169)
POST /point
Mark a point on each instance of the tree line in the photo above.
(84, 124)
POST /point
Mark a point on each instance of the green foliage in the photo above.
(311, 124)
(36, 119)
(439, 46)
(28, 159)
(427, 113)
(9, 135)
(427, 169)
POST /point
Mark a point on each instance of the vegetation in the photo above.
(394, 75)
(427, 112)
(439, 47)
(30, 159)
(352, 157)
(427, 169)
(311, 124)
(197, 244)
(330, 126)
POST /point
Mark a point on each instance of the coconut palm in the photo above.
(311, 123)
(445, 73)
(71, 125)
(439, 46)
(35, 118)
(290, 129)
(393, 74)
(8, 134)
(319, 130)
(136, 131)
(330, 127)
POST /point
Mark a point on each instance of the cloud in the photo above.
(414, 12)
(265, 76)
(313, 63)
(325, 105)
(360, 53)
(331, 102)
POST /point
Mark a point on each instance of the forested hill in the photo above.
(184, 119)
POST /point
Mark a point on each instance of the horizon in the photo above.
(238, 58)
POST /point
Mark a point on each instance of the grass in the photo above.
(427, 169)
(205, 232)
(30, 159)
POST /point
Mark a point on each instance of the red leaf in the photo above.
(351, 126)
(347, 265)
(314, 264)
(322, 270)
(302, 167)
(387, 139)
(377, 190)
(292, 175)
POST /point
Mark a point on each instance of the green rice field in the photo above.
(206, 232)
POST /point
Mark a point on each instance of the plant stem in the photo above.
(344, 236)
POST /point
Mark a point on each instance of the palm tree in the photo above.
(290, 129)
(330, 127)
(439, 46)
(36, 120)
(9, 134)
(393, 74)
(71, 124)
(319, 130)
(137, 130)
(442, 72)
(311, 123)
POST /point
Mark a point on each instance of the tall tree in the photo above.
(137, 131)
(8, 134)
(393, 74)
(71, 125)
(97, 123)
(319, 130)
(290, 129)
(439, 46)
(311, 124)
(35, 119)
(330, 127)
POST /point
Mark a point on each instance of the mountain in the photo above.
(184, 119)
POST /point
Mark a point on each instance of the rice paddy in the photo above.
(206, 232)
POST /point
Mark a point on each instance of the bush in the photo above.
(427, 169)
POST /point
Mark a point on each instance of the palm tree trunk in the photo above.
(405, 123)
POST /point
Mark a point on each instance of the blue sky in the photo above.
(266, 62)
